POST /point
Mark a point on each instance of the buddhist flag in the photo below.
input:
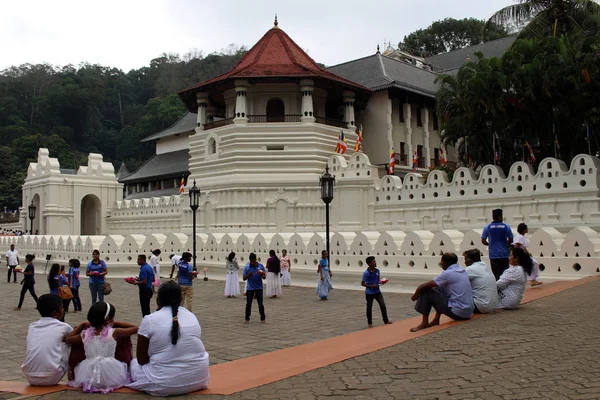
(342, 144)
(359, 140)
(182, 186)
(392, 163)
(415, 161)
(443, 157)
(530, 150)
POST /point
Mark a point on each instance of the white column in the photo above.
(409, 138)
(241, 103)
(307, 88)
(427, 152)
(348, 98)
(202, 100)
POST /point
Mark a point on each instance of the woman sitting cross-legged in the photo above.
(171, 358)
(100, 371)
(513, 281)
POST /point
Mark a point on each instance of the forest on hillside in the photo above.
(75, 110)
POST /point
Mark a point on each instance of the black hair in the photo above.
(272, 253)
(48, 304)
(187, 256)
(323, 253)
(450, 258)
(29, 257)
(252, 257)
(74, 263)
(524, 259)
(474, 255)
(157, 252)
(96, 251)
(369, 259)
(142, 256)
(96, 315)
(54, 270)
(283, 251)
(497, 213)
(62, 268)
(231, 256)
(171, 256)
(522, 228)
(169, 295)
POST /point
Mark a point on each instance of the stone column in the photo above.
(202, 100)
(427, 152)
(409, 138)
(348, 98)
(241, 103)
(307, 88)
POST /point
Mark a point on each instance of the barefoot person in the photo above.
(371, 281)
(522, 242)
(324, 285)
(12, 260)
(483, 283)
(497, 236)
(449, 293)
(253, 274)
(28, 281)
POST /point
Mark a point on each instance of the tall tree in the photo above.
(449, 34)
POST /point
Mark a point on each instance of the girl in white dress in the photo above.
(522, 242)
(100, 371)
(171, 358)
(286, 268)
(232, 279)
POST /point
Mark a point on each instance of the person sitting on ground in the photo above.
(100, 371)
(512, 283)
(47, 356)
(483, 283)
(171, 358)
(522, 242)
(449, 293)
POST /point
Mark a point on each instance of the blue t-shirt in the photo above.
(100, 267)
(371, 278)
(454, 283)
(146, 272)
(497, 235)
(185, 273)
(74, 277)
(255, 281)
(323, 262)
(57, 281)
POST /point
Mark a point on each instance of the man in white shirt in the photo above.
(47, 356)
(483, 282)
(174, 262)
(12, 260)
(155, 262)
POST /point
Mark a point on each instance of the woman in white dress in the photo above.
(232, 279)
(521, 241)
(100, 371)
(273, 272)
(171, 358)
(286, 269)
(513, 281)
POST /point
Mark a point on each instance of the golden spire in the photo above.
(275, 23)
(468, 58)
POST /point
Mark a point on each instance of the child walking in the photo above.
(28, 281)
(100, 371)
(74, 283)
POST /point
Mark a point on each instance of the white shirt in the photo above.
(483, 282)
(522, 240)
(173, 366)
(511, 287)
(175, 260)
(12, 256)
(155, 264)
(46, 351)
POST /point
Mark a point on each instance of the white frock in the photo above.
(100, 371)
(232, 279)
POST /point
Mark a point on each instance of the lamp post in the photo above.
(31, 210)
(327, 181)
(194, 202)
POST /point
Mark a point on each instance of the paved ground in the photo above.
(296, 318)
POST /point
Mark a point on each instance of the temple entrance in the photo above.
(38, 216)
(275, 110)
(91, 215)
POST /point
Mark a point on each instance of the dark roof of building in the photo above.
(123, 172)
(275, 55)
(173, 164)
(455, 59)
(185, 124)
(379, 72)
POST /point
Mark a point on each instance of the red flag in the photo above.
(531, 154)
(415, 161)
(182, 186)
(392, 163)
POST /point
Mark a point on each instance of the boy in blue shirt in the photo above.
(498, 236)
(254, 273)
(371, 281)
(144, 283)
(185, 276)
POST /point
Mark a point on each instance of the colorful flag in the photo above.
(392, 163)
(496, 150)
(359, 140)
(342, 144)
(471, 163)
(443, 157)
(531, 154)
(182, 186)
(415, 161)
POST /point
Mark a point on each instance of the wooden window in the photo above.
(401, 112)
(419, 116)
(436, 122)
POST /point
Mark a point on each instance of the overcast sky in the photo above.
(129, 33)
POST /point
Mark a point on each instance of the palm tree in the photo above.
(540, 18)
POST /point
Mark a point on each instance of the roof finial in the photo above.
(276, 23)
(468, 58)
(378, 48)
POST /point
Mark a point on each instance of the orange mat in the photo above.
(232, 377)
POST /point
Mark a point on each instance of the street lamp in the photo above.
(31, 210)
(327, 181)
(194, 202)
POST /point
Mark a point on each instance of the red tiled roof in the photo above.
(275, 55)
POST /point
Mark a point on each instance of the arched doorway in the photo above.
(91, 215)
(275, 110)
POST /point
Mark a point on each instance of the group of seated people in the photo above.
(459, 292)
(98, 357)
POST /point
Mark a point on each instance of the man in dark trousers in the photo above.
(498, 237)
(371, 281)
(28, 281)
(144, 283)
(254, 273)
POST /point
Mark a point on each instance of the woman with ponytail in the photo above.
(512, 283)
(171, 358)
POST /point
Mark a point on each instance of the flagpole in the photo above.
(555, 141)
(494, 141)
(589, 139)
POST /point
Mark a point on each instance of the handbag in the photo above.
(65, 293)
(156, 282)
(106, 288)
